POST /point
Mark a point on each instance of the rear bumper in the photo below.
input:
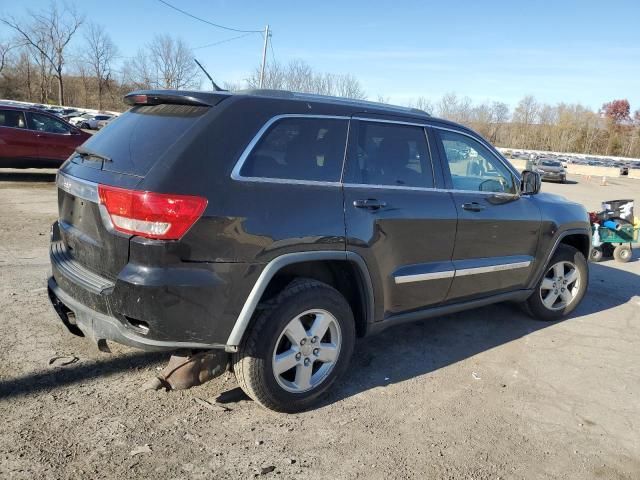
(164, 307)
(83, 321)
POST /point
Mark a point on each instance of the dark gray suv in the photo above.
(279, 227)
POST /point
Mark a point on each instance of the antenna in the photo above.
(216, 88)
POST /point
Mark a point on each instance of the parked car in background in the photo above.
(91, 123)
(103, 123)
(551, 170)
(31, 138)
(77, 120)
(68, 112)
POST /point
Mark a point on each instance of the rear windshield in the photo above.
(138, 138)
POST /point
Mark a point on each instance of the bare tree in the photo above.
(56, 28)
(5, 48)
(348, 86)
(166, 62)
(299, 76)
(173, 61)
(101, 51)
(422, 103)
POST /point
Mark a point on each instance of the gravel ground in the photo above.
(483, 394)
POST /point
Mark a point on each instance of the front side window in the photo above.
(45, 123)
(473, 167)
(299, 149)
(12, 119)
(390, 154)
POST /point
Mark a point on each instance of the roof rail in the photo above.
(314, 97)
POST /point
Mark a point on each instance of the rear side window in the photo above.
(299, 149)
(390, 154)
(138, 138)
(12, 118)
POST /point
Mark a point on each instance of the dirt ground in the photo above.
(485, 394)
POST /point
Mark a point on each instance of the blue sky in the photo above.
(572, 51)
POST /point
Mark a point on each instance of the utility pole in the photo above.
(264, 55)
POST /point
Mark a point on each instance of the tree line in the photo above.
(56, 56)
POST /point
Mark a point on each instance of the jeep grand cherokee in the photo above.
(280, 226)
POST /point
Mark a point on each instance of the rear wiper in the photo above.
(86, 153)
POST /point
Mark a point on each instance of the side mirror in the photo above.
(530, 183)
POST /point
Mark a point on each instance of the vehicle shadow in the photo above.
(395, 355)
(419, 348)
(35, 176)
(61, 377)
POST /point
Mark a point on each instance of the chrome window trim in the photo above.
(235, 173)
(398, 122)
(463, 272)
(509, 167)
(78, 187)
(428, 189)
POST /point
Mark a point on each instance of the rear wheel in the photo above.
(622, 253)
(562, 287)
(297, 348)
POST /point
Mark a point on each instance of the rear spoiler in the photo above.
(174, 97)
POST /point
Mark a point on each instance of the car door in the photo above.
(396, 219)
(55, 138)
(17, 143)
(498, 230)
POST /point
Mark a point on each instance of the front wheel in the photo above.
(562, 287)
(297, 348)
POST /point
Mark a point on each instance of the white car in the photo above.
(80, 118)
(89, 121)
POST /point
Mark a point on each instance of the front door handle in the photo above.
(473, 207)
(369, 203)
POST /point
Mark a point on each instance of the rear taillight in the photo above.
(152, 215)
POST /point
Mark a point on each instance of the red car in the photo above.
(30, 138)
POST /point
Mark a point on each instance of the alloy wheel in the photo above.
(306, 351)
(560, 285)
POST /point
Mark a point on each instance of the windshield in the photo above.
(550, 163)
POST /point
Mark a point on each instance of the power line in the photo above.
(206, 21)
(223, 41)
(273, 55)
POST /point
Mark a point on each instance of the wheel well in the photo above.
(578, 241)
(342, 275)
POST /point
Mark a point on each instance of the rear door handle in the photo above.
(369, 203)
(473, 207)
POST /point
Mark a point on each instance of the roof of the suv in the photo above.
(212, 98)
(313, 97)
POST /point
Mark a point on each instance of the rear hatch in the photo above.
(120, 155)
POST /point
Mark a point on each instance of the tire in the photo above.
(309, 304)
(597, 254)
(548, 303)
(85, 126)
(622, 253)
